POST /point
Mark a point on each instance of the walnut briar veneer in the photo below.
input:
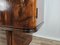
(21, 16)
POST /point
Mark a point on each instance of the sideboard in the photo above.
(19, 20)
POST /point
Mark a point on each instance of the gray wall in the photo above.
(51, 27)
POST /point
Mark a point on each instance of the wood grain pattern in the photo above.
(22, 14)
(20, 38)
(9, 37)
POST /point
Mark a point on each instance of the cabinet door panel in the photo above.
(25, 14)
(21, 14)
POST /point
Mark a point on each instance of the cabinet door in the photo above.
(21, 14)
(24, 15)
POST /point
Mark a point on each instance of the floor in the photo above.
(3, 40)
(35, 41)
(43, 41)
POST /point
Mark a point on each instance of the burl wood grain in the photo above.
(22, 14)
(25, 15)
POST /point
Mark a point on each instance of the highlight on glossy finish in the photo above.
(4, 5)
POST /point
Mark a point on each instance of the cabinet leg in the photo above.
(9, 37)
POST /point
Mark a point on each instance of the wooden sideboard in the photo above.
(21, 16)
